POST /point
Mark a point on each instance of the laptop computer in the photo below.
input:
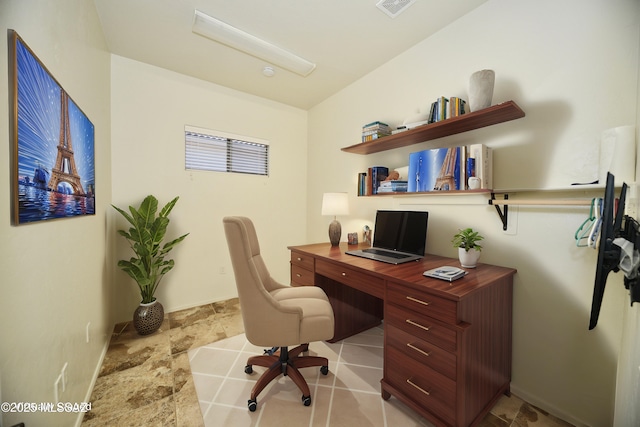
(398, 237)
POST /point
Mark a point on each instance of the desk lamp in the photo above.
(335, 204)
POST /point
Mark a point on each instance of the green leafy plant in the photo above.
(145, 237)
(467, 239)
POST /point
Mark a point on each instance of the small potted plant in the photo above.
(466, 240)
(148, 266)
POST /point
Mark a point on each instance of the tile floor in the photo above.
(191, 373)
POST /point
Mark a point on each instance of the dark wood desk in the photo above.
(447, 346)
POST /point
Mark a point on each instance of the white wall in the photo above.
(54, 275)
(151, 107)
(573, 68)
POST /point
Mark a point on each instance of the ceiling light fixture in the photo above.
(221, 32)
(268, 71)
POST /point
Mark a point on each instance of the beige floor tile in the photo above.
(362, 355)
(351, 408)
(190, 373)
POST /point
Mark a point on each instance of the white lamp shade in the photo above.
(335, 204)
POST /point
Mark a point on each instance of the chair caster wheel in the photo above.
(252, 405)
(324, 370)
(306, 400)
(248, 370)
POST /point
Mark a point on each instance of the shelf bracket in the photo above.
(503, 214)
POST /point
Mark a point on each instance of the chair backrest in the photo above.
(266, 321)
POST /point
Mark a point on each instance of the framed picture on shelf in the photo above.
(53, 160)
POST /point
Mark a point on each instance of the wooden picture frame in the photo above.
(53, 167)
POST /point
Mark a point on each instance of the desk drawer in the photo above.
(369, 284)
(422, 327)
(424, 352)
(423, 302)
(301, 260)
(429, 389)
(301, 276)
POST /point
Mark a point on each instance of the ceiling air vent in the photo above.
(393, 8)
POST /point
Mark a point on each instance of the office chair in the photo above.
(276, 315)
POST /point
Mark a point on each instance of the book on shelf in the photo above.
(375, 130)
(446, 272)
(369, 182)
(444, 108)
(395, 186)
(371, 136)
(362, 184)
(457, 106)
(483, 164)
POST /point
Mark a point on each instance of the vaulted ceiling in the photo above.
(346, 39)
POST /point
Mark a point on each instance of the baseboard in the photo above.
(96, 373)
(546, 406)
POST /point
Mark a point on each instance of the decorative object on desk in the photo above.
(148, 267)
(466, 240)
(352, 238)
(335, 204)
(481, 89)
(366, 234)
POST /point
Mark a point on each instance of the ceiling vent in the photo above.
(393, 8)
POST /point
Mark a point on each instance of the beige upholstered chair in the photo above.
(276, 315)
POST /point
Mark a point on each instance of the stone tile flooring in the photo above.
(148, 380)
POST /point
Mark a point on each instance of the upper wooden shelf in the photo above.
(493, 115)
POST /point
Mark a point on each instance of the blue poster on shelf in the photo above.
(437, 169)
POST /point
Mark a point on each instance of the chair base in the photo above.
(286, 362)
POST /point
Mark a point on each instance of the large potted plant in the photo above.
(466, 240)
(148, 266)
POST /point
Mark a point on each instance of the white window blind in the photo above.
(221, 152)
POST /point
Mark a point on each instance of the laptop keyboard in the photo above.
(385, 253)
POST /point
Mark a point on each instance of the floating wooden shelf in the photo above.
(493, 115)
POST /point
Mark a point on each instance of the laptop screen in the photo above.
(404, 231)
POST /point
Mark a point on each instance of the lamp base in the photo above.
(335, 232)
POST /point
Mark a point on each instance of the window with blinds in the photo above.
(221, 152)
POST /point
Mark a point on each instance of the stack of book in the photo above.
(374, 131)
(393, 187)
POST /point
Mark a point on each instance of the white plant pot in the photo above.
(468, 259)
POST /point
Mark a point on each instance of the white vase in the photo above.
(468, 259)
(481, 89)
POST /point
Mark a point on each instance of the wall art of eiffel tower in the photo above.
(446, 180)
(64, 169)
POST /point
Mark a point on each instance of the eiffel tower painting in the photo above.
(65, 169)
(54, 152)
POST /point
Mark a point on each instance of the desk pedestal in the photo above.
(354, 310)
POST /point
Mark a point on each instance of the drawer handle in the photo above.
(299, 259)
(413, 347)
(411, 322)
(344, 274)
(417, 300)
(418, 387)
(298, 275)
